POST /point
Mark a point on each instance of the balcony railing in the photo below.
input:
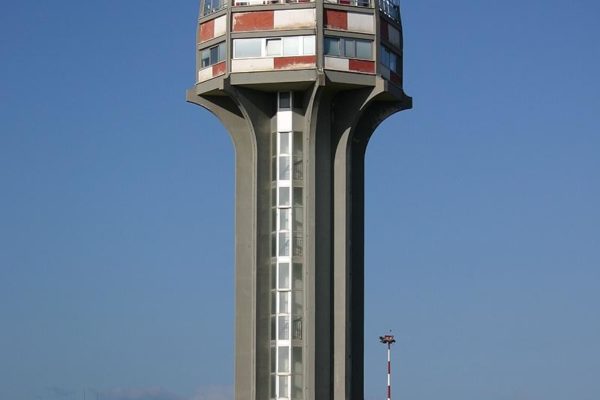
(355, 3)
(267, 2)
(391, 8)
(212, 6)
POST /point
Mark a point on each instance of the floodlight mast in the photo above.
(388, 340)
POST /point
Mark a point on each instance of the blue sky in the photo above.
(482, 217)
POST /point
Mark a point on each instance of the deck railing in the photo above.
(267, 2)
(391, 8)
(212, 6)
(355, 3)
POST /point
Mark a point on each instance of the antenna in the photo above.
(388, 340)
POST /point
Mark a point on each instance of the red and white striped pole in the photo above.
(388, 340)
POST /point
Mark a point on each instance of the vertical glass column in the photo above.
(287, 250)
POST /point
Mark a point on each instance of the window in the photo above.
(291, 46)
(287, 280)
(309, 45)
(349, 48)
(332, 46)
(247, 48)
(364, 50)
(212, 55)
(390, 60)
(284, 104)
(211, 6)
(274, 47)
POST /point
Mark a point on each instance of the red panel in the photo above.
(253, 21)
(296, 62)
(384, 30)
(361, 66)
(335, 19)
(207, 31)
(219, 69)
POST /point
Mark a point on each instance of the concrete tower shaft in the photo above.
(300, 87)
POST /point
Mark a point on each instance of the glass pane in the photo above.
(284, 219)
(298, 218)
(273, 380)
(273, 276)
(222, 51)
(349, 48)
(273, 359)
(298, 303)
(297, 197)
(309, 45)
(298, 143)
(297, 245)
(283, 361)
(297, 328)
(284, 143)
(274, 190)
(205, 56)
(364, 49)
(274, 244)
(274, 144)
(284, 244)
(247, 48)
(284, 101)
(385, 57)
(284, 302)
(291, 46)
(284, 276)
(284, 330)
(273, 327)
(297, 360)
(214, 55)
(284, 168)
(332, 46)
(274, 302)
(273, 47)
(298, 98)
(284, 196)
(284, 387)
(393, 60)
(297, 172)
(298, 282)
(297, 386)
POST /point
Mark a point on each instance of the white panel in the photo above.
(220, 25)
(294, 19)
(205, 74)
(341, 64)
(361, 22)
(284, 121)
(394, 36)
(252, 64)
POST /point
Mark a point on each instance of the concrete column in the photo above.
(337, 123)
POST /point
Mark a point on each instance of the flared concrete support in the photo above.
(336, 124)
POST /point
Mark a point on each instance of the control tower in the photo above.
(300, 86)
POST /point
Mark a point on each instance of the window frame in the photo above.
(221, 53)
(301, 42)
(386, 59)
(342, 43)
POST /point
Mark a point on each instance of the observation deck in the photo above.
(272, 45)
